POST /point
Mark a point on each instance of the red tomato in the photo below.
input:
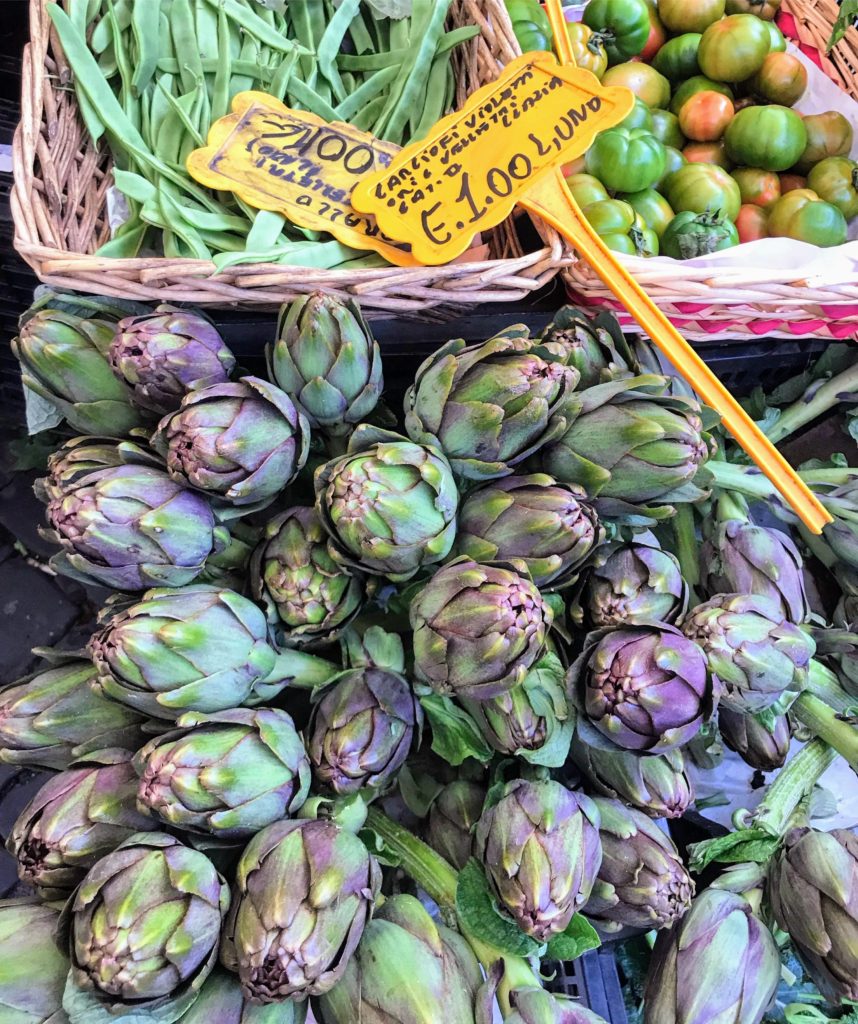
(790, 182)
(707, 153)
(758, 187)
(657, 36)
(752, 223)
(704, 116)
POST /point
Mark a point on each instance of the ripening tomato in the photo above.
(765, 9)
(828, 134)
(708, 153)
(752, 223)
(705, 116)
(835, 180)
(643, 80)
(704, 188)
(677, 59)
(665, 127)
(586, 189)
(769, 137)
(625, 25)
(782, 79)
(653, 207)
(690, 15)
(699, 83)
(657, 35)
(791, 182)
(805, 219)
(734, 48)
(758, 187)
(588, 50)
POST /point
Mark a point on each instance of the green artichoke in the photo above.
(227, 775)
(642, 882)
(74, 819)
(478, 629)
(388, 505)
(645, 687)
(64, 359)
(240, 443)
(452, 817)
(530, 1004)
(406, 968)
(362, 730)
(50, 718)
(308, 597)
(540, 848)
(542, 528)
(593, 345)
(32, 969)
(326, 359)
(229, 567)
(754, 652)
(717, 965)
(490, 406)
(80, 456)
(303, 893)
(143, 929)
(813, 889)
(758, 745)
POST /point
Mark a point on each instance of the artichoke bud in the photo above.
(452, 817)
(33, 970)
(594, 346)
(759, 745)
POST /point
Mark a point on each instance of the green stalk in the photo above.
(824, 722)
(826, 397)
(732, 506)
(687, 549)
(823, 684)
(793, 783)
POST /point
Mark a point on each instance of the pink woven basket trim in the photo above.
(840, 312)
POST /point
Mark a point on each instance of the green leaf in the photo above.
(83, 1007)
(847, 18)
(455, 735)
(579, 937)
(377, 847)
(418, 790)
(476, 909)
(751, 844)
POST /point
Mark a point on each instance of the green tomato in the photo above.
(835, 180)
(734, 48)
(677, 59)
(643, 80)
(770, 137)
(828, 134)
(530, 25)
(700, 83)
(586, 189)
(704, 188)
(672, 163)
(797, 215)
(626, 159)
(640, 117)
(653, 207)
(690, 15)
(665, 127)
(624, 24)
(698, 234)
(621, 229)
(777, 42)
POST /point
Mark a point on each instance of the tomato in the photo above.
(665, 127)
(752, 223)
(777, 41)
(621, 229)
(758, 187)
(530, 24)
(705, 116)
(640, 117)
(677, 59)
(765, 9)
(588, 50)
(828, 134)
(586, 189)
(643, 80)
(624, 24)
(690, 15)
(626, 159)
(745, 101)
(791, 182)
(734, 48)
(657, 35)
(673, 161)
(698, 234)
(782, 79)
(653, 207)
(769, 137)
(704, 188)
(708, 153)
(799, 216)
(699, 83)
(835, 180)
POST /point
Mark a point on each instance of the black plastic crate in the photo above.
(594, 981)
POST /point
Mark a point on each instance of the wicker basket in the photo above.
(60, 197)
(731, 302)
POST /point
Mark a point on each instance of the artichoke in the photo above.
(227, 775)
(642, 882)
(478, 629)
(55, 715)
(813, 889)
(536, 1006)
(540, 848)
(80, 456)
(758, 745)
(165, 354)
(593, 345)
(143, 929)
(32, 969)
(74, 819)
(229, 567)
(326, 359)
(753, 651)
(406, 968)
(303, 893)
(362, 730)
(241, 443)
(221, 1001)
(542, 528)
(646, 688)
(132, 527)
(717, 965)
(307, 595)
(452, 817)
(746, 559)
(490, 406)
(64, 359)
(388, 505)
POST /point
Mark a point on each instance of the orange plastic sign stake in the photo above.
(295, 163)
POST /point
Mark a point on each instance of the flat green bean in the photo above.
(418, 73)
(249, 56)
(371, 88)
(266, 229)
(124, 246)
(456, 36)
(184, 108)
(371, 61)
(147, 43)
(280, 80)
(254, 25)
(223, 73)
(360, 34)
(303, 96)
(330, 43)
(185, 43)
(366, 117)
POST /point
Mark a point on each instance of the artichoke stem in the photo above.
(297, 669)
(687, 548)
(802, 412)
(732, 506)
(822, 683)
(793, 783)
(817, 547)
(828, 725)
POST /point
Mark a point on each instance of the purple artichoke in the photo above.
(759, 746)
(452, 817)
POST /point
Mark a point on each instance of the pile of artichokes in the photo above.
(386, 709)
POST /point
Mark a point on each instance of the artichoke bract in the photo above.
(406, 968)
(143, 928)
(754, 652)
(746, 559)
(308, 596)
(326, 359)
(164, 354)
(478, 629)
(55, 715)
(33, 969)
(64, 359)
(540, 848)
(303, 893)
(717, 965)
(80, 456)
(132, 527)
(813, 888)
(362, 730)
(594, 345)
(452, 817)
(536, 1006)
(642, 882)
(647, 688)
(221, 1001)
(389, 505)
(227, 775)
(542, 528)
(74, 819)
(490, 406)
(759, 746)
(240, 443)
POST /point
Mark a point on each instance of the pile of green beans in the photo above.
(151, 76)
